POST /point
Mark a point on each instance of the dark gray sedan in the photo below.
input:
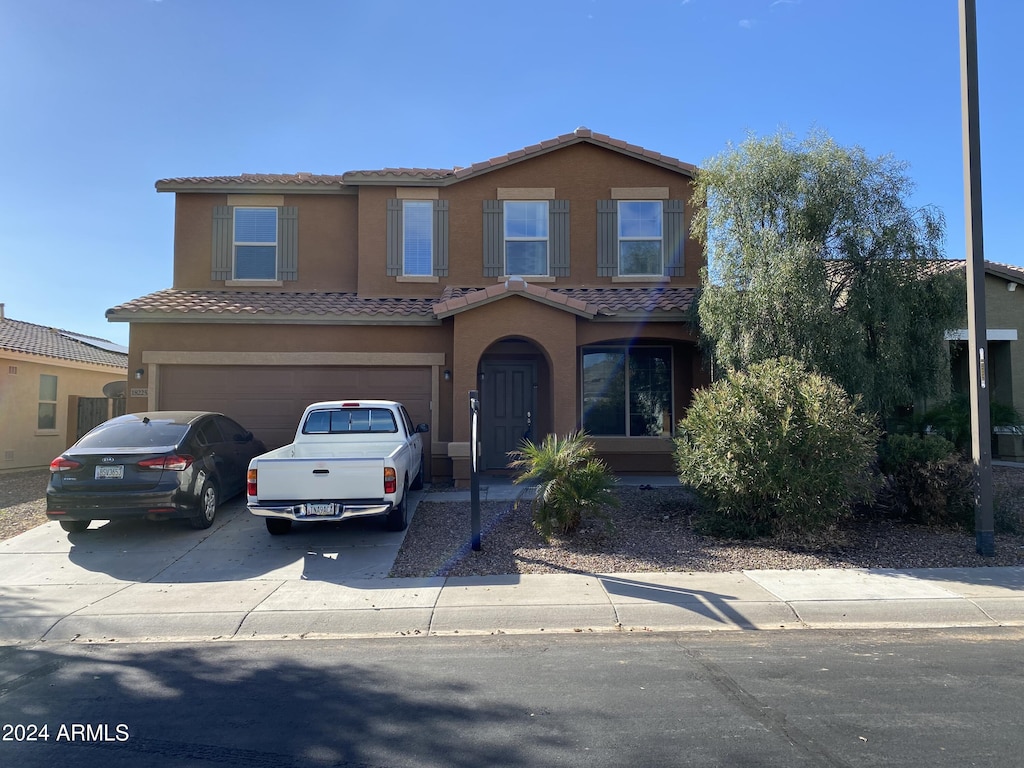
(157, 465)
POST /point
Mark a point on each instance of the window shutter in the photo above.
(673, 238)
(558, 234)
(223, 239)
(607, 238)
(394, 256)
(494, 238)
(288, 243)
(441, 238)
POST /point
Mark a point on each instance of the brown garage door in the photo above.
(269, 400)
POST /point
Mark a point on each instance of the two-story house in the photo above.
(558, 280)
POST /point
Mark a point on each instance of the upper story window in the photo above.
(255, 244)
(417, 238)
(640, 237)
(526, 238)
(47, 418)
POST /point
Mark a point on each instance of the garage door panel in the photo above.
(269, 400)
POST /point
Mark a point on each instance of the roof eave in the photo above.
(262, 188)
(264, 318)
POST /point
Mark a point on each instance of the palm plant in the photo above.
(571, 480)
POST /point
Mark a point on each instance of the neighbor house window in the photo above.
(526, 238)
(47, 418)
(255, 244)
(627, 391)
(417, 237)
(640, 234)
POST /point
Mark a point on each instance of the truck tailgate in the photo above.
(297, 479)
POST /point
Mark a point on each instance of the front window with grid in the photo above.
(417, 238)
(255, 244)
(640, 234)
(526, 238)
(47, 418)
(627, 391)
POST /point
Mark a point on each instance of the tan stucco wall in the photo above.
(21, 444)
(1005, 309)
(326, 235)
(583, 174)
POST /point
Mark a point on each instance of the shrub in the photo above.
(775, 450)
(570, 480)
(952, 419)
(927, 480)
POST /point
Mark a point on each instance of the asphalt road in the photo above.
(820, 698)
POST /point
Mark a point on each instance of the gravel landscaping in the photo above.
(653, 532)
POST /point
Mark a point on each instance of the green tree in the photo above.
(816, 253)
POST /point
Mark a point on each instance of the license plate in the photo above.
(111, 472)
(323, 510)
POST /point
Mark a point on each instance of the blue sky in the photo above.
(101, 98)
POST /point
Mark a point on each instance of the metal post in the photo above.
(981, 427)
(474, 475)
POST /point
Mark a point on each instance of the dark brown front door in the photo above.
(507, 407)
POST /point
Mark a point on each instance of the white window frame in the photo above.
(546, 239)
(236, 243)
(46, 401)
(660, 239)
(428, 205)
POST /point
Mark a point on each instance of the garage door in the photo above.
(269, 400)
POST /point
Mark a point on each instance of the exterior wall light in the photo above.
(140, 372)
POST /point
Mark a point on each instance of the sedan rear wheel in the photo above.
(74, 526)
(207, 506)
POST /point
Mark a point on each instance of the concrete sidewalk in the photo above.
(237, 583)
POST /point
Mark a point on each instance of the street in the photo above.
(788, 698)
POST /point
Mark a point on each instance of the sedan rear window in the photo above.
(344, 420)
(134, 434)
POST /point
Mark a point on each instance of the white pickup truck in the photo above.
(349, 459)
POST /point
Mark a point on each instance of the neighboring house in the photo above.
(558, 280)
(1004, 315)
(52, 389)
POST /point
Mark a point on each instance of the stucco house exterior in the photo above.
(1004, 315)
(558, 280)
(52, 389)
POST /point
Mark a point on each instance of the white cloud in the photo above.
(747, 23)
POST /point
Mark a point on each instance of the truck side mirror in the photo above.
(422, 427)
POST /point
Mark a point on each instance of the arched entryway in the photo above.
(515, 398)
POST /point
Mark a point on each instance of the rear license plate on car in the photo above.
(323, 510)
(112, 472)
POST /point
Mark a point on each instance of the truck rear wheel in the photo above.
(397, 520)
(278, 526)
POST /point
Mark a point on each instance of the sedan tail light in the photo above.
(61, 464)
(173, 462)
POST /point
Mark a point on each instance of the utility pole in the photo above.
(981, 427)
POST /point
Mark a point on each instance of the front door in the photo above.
(508, 407)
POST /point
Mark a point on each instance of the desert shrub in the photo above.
(927, 480)
(952, 419)
(571, 481)
(775, 450)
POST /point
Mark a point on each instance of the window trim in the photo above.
(660, 239)
(430, 206)
(41, 430)
(235, 243)
(626, 349)
(506, 239)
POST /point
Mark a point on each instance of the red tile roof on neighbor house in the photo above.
(429, 176)
(253, 306)
(57, 344)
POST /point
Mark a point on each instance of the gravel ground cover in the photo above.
(653, 532)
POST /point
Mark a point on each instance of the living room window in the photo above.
(417, 238)
(255, 244)
(526, 237)
(627, 391)
(47, 418)
(640, 236)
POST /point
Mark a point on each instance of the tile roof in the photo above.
(32, 339)
(319, 307)
(265, 303)
(428, 175)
